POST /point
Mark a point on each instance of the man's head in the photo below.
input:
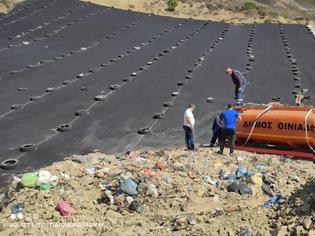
(229, 71)
(192, 107)
(229, 106)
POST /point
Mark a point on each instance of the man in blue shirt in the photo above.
(240, 83)
(229, 117)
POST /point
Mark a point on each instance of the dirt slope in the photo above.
(8, 5)
(186, 196)
(238, 11)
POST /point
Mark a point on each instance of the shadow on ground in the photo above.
(296, 216)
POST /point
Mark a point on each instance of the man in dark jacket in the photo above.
(240, 83)
(216, 130)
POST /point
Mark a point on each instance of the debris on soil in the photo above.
(174, 192)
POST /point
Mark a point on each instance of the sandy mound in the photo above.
(8, 5)
(184, 194)
(226, 11)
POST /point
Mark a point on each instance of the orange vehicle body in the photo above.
(277, 124)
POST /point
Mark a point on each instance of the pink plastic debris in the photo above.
(147, 172)
(65, 208)
(132, 155)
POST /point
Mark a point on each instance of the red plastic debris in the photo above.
(160, 165)
(147, 172)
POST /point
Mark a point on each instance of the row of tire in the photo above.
(96, 69)
(182, 83)
(298, 89)
(30, 147)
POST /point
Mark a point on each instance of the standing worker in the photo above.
(229, 117)
(216, 130)
(240, 83)
(189, 124)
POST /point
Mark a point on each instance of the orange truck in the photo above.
(277, 129)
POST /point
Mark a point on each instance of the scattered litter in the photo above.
(244, 189)
(266, 188)
(129, 200)
(241, 188)
(230, 177)
(260, 165)
(233, 187)
(132, 155)
(241, 172)
(104, 186)
(294, 178)
(148, 173)
(119, 188)
(65, 208)
(276, 199)
(29, 180)
(244, 231)
(16, 211)
(108, 197)
(207, 179)
(137, 206)
(152, 191)
(44, 186)
(17, 208)
(160, 165)
(44, 177)
(90, 171)
(129, 186)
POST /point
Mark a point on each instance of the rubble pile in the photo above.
(161, 192)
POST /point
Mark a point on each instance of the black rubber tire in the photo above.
(159, 116)
(114, 87)
(66, 82)
(48, 90)
(181, 83)
(16, 106)
(100, 98)
(143, 131)
(127, 79)
(81, 113)
(30, 147)
(85, 89)
(168, 104)
(9, 164)
(35, 98)
(64, 128)
(22, 89)
(210, 100)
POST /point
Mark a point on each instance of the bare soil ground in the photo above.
(187, 197)
(284, 11)
(8, 5)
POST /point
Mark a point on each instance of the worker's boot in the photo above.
(239, 102)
